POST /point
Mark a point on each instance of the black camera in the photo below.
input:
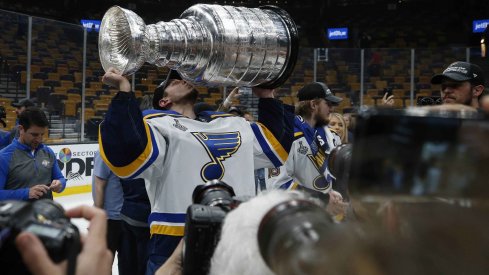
(420, 152)
(211, 202)
(46, 220)
(339, 162)
(289, 232)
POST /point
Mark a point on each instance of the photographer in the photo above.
(94, 258)
(255, 230)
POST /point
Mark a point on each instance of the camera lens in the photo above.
(339, 159)
(289, 228)
(212, 193)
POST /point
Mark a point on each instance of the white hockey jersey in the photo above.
(184, 153)
(307, 161)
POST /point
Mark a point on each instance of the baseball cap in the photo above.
(23, 103)
(158, 93)
(317, 90)
(461, 71)
(235, 110)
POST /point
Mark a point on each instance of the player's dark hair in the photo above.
(33, 116)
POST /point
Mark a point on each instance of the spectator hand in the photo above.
(173, 266)
(56, 186)
(263, 93)
(37, 191)
(94, 258)
(113, 78)
(388, 100)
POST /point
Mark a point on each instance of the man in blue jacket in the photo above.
(29, 169)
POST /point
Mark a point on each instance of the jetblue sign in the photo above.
(337, 33)
(480, 25)
(91, 25)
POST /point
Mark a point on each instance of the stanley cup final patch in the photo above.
(179, 126)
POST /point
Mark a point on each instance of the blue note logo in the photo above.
(319, 161)
(219, 147)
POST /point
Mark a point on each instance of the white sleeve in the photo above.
(267, 150)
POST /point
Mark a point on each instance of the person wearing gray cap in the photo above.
(461, 83)
(22, 104)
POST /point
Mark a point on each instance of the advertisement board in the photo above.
(76, 164)
(337, 33)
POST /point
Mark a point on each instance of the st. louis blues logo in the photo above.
(319, 161)
(219, 147)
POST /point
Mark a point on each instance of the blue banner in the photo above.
(337, 33)
(91, 24)
(479, 25)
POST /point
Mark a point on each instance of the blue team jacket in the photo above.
(21, 169)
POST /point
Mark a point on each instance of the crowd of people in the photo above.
(152, 157)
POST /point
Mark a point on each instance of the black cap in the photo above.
(317, 90)
(158, 94)
(236, 110)
(461, 71)
(23, 103)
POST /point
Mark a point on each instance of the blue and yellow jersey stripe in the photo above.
(289, 185)
(146, 158)
(298, 134)
(171, 224)
(269, 144)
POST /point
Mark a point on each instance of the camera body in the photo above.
(43, 218)
(418, 152)
(211, 202)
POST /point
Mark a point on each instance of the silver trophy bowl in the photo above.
(209, 45)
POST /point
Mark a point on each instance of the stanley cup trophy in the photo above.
(209, 45)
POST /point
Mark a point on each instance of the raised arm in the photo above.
(123, 135)
(276, 117)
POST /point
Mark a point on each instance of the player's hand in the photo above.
(337, 209)
(113, 78)
(94, 258)
(262, 92)
(37, 191)
(56, 186)
(334, 195)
